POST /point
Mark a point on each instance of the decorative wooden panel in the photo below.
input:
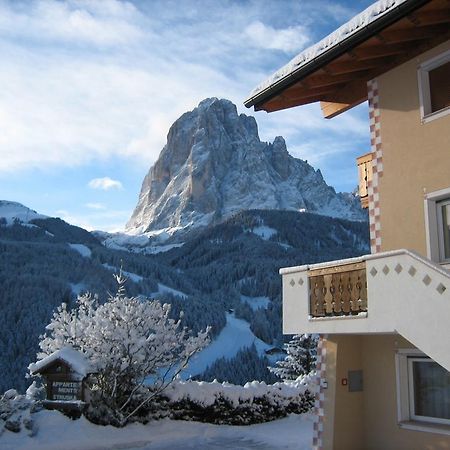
(338, 291)
(364, 163)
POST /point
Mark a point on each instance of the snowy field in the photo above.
(57, 432)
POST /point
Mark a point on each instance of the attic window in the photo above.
(434, 87)
(440, 87)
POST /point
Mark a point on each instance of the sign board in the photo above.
(66, 390)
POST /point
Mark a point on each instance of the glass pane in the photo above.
(440, 87)
(431, 390)
(446, 230)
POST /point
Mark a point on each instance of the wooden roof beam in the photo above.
(355, 66)
(353, 94)
(278, 103)
(429, 17)
(299, 92)
(329, 80)
(333, 109)
(377, 51)
(413, 34)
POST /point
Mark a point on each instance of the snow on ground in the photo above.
(78, 288)
(81, 249)
(153, 250)
(57, 432)
(13, 210)
(132, 276)
(256, 302)
(264, 232)
(163, 289)
(235, 335)
(140, 243)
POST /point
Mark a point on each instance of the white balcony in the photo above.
(393, 292)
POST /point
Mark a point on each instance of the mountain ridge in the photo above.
(214, 165)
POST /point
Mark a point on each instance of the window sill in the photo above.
(426, 427)
(436, 115)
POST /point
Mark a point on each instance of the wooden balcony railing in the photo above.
(338, 291)
(364, 163)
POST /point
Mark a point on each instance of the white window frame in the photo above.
(405, 398)
(412, 408)
(426, 114)
(433, 225)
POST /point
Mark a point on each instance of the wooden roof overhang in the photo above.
(338, 77)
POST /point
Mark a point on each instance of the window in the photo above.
(443, 218)
(429, 391)
(437, 220)
(434, 87)
(423, 392)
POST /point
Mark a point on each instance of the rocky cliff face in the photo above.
(214, 165)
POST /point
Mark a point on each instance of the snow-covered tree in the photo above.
(128, 341)
(301, 357)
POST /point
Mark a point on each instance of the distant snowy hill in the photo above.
(214, 165)
(13, 211)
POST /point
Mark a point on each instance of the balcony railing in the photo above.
(364, 163)
(338, 291)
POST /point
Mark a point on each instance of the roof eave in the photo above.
(333, 52)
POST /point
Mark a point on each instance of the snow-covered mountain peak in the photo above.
(14, 211)
(214, 165)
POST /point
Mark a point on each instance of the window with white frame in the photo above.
(443, 219)
(429, 391)
(434, 87)
(437, 219)
(423, 388)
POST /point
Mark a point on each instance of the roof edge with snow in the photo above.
(75, 359)
(360, 28)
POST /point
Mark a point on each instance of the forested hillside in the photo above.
(231, 267)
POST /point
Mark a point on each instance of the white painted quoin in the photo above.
(407, 294)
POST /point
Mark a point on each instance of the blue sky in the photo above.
(91, 87)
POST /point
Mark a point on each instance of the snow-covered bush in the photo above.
(16, 410)
(224, 403)
(301, 357)
(127, 340)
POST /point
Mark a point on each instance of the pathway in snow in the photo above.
(57, 432)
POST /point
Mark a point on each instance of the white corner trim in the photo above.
(373, 256)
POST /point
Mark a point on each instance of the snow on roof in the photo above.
(75, 359)
(369, 15)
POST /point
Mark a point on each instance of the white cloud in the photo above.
(291, 39)
(107, 220)
(96, 206)
(85, 81)
(105, 184)
(81, 22)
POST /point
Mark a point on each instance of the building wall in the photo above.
(415, 156)
(367, 420)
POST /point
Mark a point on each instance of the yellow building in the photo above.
(384, 318)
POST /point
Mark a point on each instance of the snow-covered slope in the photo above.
(214, 165)
(13, 211)
(235, 336)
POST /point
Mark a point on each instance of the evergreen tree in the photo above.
(301, 357)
